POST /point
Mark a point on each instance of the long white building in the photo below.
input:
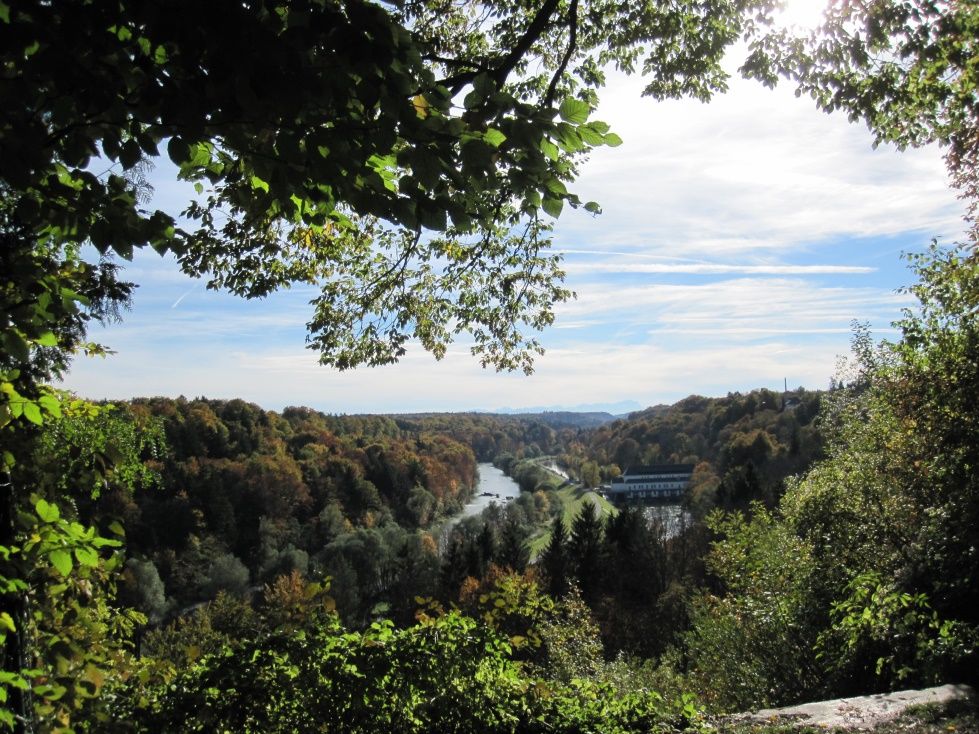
(654, 482)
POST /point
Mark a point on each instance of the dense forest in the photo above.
(247, 495)
(743, 446)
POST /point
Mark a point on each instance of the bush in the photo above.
(752, 644)
(447, 674)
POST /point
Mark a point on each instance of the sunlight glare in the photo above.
(801, 15)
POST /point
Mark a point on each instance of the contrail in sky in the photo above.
(182, 297)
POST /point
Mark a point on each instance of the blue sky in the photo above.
(738, 241)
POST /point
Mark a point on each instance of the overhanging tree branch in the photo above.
(568, 53)
(501, 71)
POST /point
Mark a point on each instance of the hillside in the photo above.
(744, 446)
(244, 495)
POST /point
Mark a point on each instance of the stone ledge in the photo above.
(859, 712)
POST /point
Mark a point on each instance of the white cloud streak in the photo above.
(716, 269)
(738, 301)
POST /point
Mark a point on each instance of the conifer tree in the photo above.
(484, 549)
(585, 550)
(513, 552)
(453, 571)
(554, 559)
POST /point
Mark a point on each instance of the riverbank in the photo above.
(572, 497)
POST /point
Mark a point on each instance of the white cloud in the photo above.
(208, 324)
(740, 302)
(702, 268)
(755, 169)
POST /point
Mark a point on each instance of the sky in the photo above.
(738, 242)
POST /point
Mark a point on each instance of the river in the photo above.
(494, 486)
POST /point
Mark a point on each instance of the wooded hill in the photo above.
(743, 445)
(243, 495)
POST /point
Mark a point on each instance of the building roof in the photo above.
(659, 469)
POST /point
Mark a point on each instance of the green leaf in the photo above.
(574, 111)
(494, 137)
(556, 186)
(201, 155)
(590, 136)
(16, 345)
(7, 622)
(612, 140)
(61, 560)
(46, 511)
(51, 404)
(484, 84)
(9, 678)
(47, 339)
(472, 100)
(123, 250)
(130, 154)
(568, 138)
(87, 556)
(478, 154)
(433, 218)
(549, 149)
(33, 413)
(427, 168)
(593, 207)
(178, 150)
(553, 206)
(106, 543)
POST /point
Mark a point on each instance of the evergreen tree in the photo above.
(453, 571)
(585, 550)
(485, 549)
(635, 575)
(554, 560)
(513, 552)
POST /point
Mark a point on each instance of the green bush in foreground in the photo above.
(446, 674)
